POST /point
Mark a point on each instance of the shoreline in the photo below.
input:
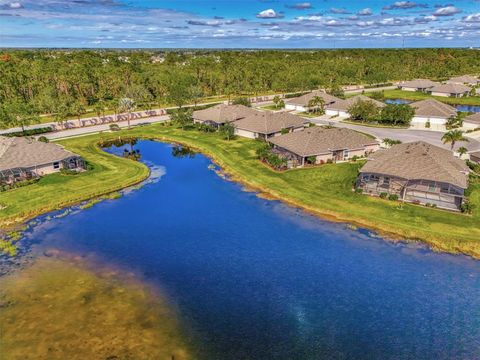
(271, 194)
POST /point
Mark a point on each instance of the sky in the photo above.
(239, 23)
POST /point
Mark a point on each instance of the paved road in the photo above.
(404, 135)
(358, 91)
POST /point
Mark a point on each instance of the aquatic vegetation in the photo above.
(8, 248)
(58, 308)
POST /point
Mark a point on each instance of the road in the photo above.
(404, 135)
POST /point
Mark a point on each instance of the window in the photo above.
(56, 165)
(444, 188)
(346, 154)
(431, 187)
(386, 180)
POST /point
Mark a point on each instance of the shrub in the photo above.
(242, 101)
(383, 195)
(427, 124)
(30, 132)
(329, 161)
(68, 172)
(114, 127)
(354, 158)
(358, 190)
(312, 159)
(393, 197)
(43, 139)
(467, 207)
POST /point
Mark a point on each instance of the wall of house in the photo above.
(245, 134)
(470, 125)
(372, 148)
(418, 122)
(323, 158)
(46, 169)
(408, 88)
(295, 107)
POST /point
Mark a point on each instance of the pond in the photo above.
(465, 108)
(249, 278)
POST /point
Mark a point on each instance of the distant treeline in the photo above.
(54, 81)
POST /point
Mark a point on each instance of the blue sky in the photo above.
(238, 24)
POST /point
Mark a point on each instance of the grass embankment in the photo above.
(416, 96)
(325, 190)
(109, 173)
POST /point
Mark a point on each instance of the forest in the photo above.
(68, 83)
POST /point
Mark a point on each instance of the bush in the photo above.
(242, 101)
(427, 124)
(68, 172)
(329, 161)
(358, 190)
(383, 195)
(393, 197)
(114, 127)
(30, 132)
(43, 139)
(467, 207)
(354, 158)
(17, 184)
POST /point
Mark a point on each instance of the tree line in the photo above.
(69, 83)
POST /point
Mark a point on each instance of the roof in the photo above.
(419, 161)
(450, 89)
(474, 118)
(222, 113)
(465, 79)
(22, 152)
(419, 84)
(346, 104)
(433, 108)
(318, 140)
(269, 123)
(304, 99)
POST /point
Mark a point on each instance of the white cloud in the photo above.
(447, 11)
(15, 5)
(365, 12)
(269, 14)
(472, 18)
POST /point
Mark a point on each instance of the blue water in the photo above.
(254, 279)
(466, 108)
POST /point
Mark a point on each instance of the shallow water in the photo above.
(254, 279)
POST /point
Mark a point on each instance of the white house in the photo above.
(431, 114)
(450, 90)
(301, 103)
(464, 80)
(340, 107)
(472, 122)
(264, 125)
(417, 85)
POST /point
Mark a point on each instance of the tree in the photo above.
(454, 122)
(317, 105)
(462, 150)
(19, 113)
(228, 131)
(397, 114)
(452, 137)
(127, 105)
(277, 101)
(337, 91)
(242, 101)
(182, 117)
(78, 109)
(364, 110)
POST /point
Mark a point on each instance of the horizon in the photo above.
(248, 24)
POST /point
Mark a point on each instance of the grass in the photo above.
(324, 190)
(270, 107)
(415, 96)
(346, 121)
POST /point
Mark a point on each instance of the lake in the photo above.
(466, 108)
(254, 279)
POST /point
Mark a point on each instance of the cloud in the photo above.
(447, 11)
(269, 14)
(339, 11)
(214, 23)
(402, 5)
(365, 12)
(300, 6)
(473, 18)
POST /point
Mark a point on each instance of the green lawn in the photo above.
(325, 190)
(415, 96)
(270, 107)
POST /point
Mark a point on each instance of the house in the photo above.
(472, 122)
(416, 172)
(24, 158)
(431, 114)
(417, 85)
(450, 90)
(220, 114)
(264, 125)
(301, 103)
(475, 157)
(317, 145)
(340, 107)
(464, 80)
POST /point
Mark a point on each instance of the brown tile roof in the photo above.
(222, 113)
(304, 99)
(269, 123)
(474, 118)
(419, 84)
(344, 105)
(433, 108)
(419, 161)
(465, 79)
(450, 89)
(317, 140)
(20, 152)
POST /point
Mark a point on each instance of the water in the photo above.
(466, 108)
(254, 279)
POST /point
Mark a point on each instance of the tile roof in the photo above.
(21, 152)
(344, 105)
(433, 108)
(465, 79)
(419, 84)
(318, 140)
(304, 99)
(474, 118)
(269, 123)
(222, 113)
(450, 89)
(419, 161)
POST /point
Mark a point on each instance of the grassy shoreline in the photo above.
(325, 191)
(416, 96)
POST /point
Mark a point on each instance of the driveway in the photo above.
(404, 135)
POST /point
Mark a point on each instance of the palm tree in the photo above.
(127, 105)
(453, 136)
(462, 150)
(317, 104)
